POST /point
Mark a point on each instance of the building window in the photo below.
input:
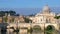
(46, 21)
(49, 21)
(41, 19)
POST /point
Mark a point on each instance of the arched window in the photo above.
(41, 19)
(46, 20)
(49, 21)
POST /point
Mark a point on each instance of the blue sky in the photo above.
(28, 3)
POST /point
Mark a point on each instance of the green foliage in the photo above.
(49, 30)
(27, 20)
(2, 13)
(12, 20)
(57, 17)
(36, 28)
(12, 12)
(30, 30)
(5, 19)
(48, 33)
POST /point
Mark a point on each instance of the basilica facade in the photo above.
(45, 18)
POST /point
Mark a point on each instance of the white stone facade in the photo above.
(46, 16)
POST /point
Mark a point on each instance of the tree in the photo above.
(12, 20)
(17, 14)
(57, 17)
(12, 12)
(27, 20)
(37, 28)
(50, 29)
(6, 11)
(5, 19)
(2, 13)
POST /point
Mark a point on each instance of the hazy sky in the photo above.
(28, 6)
(28, 3)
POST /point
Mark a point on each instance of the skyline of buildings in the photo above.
(38, 22)
(24, 11)
(45, 8)
(29, 16)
